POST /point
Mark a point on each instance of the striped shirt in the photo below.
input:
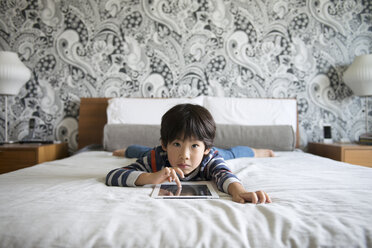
(212, 167)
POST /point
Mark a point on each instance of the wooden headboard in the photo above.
(93, 117)
(92, 120)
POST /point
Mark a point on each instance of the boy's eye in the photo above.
(176, 144)
(195, 146)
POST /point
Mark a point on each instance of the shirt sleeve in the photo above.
(217, 170)
(127, 176)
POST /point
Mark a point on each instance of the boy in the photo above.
(187, 133)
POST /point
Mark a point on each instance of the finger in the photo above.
(268, 200)
(272, 154)
(168, 174)
(168, 171)
(238, 199)
(175, 177)
(250, 197)
(254, 198)
(179, 172)
(178, 182)
(261, 196)
(178, 191)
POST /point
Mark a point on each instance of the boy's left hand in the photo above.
(253, 197)
(240, 195)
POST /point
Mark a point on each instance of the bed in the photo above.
(317, 202)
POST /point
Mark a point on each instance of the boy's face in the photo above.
(186, 154)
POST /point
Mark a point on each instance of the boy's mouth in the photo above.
(183, 166)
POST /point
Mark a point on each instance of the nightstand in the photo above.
(350, 153)
(17, 156)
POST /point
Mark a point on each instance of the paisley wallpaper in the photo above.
(185, 48)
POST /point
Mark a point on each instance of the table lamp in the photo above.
(359, 78)
(13, 74)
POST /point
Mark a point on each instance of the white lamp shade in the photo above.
(359, 75)
(13, 73)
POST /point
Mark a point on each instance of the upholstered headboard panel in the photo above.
(93, 117)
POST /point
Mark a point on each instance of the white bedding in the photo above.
(316, 202)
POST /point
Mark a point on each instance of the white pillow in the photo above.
(253, 111)
(143, 110)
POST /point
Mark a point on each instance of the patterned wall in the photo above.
(185, 48)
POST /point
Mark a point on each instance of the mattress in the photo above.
(317, 202)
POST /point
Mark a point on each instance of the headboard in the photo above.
(93, 117)
(92, 120)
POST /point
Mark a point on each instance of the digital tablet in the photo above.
(189, 190)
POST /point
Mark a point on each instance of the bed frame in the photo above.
(93, 118)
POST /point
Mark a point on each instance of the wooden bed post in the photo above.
(92, 119)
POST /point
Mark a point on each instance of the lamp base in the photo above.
(365, 139)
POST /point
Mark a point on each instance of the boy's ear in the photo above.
(163, 146)
(207, 151)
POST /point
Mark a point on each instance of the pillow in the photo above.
(253, 111)
(143, 110)
(117, 136)
(277, 138)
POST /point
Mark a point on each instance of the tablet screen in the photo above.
(188, 190)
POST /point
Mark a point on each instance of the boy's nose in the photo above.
(185, 154)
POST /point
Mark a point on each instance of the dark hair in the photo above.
(187, 120)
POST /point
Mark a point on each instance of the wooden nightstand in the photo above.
(350, 153)
(17, 156)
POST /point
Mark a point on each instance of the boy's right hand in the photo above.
(168, 174)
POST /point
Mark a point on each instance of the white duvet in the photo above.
(317, 202)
